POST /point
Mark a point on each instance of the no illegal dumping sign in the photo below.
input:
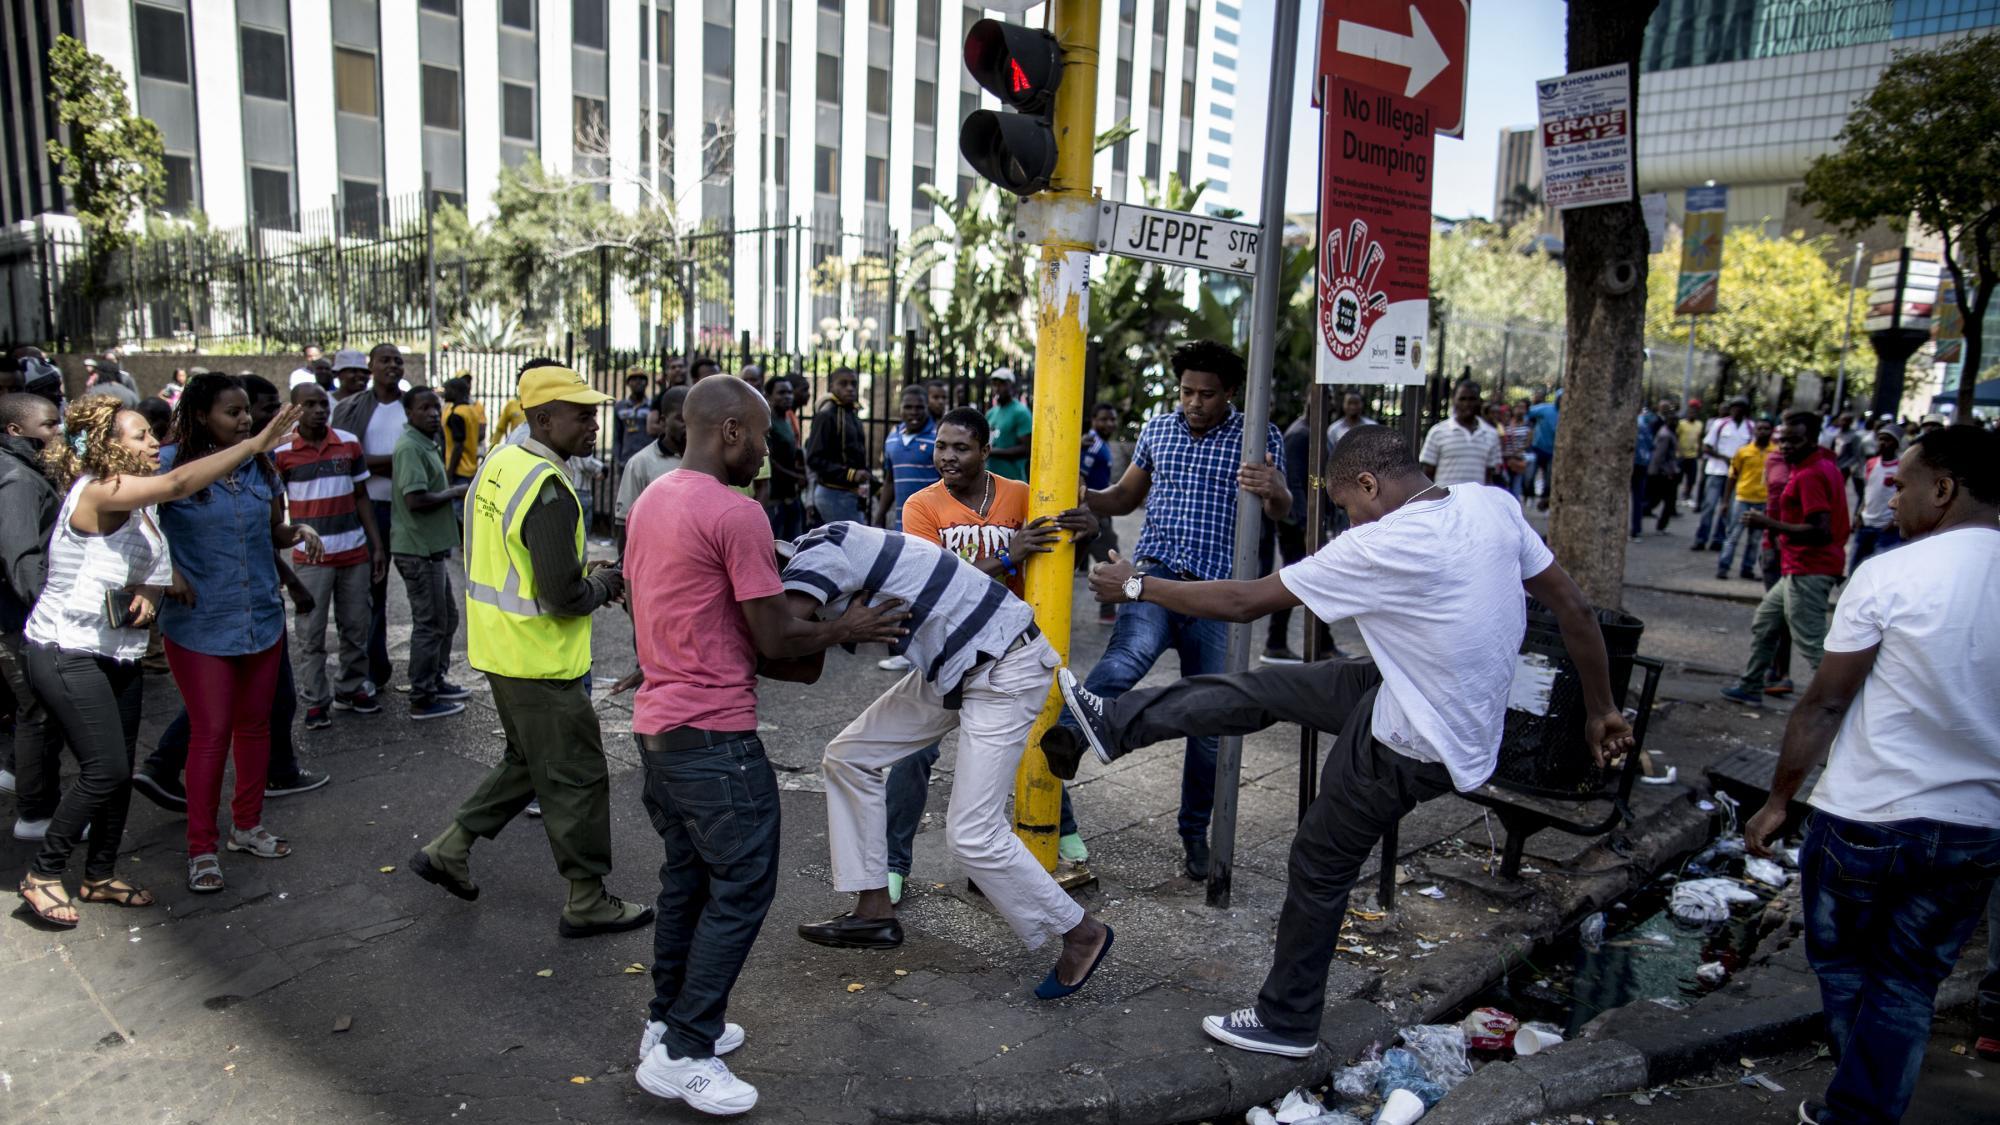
(1586, 137)
(1375, 236)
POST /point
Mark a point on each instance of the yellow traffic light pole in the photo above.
(1062, 221)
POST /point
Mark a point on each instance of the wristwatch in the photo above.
(1133, 586)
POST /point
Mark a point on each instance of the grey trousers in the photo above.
(433, 621)
(340, 592)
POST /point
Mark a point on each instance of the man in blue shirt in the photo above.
(907, 456)
(1185, 470)
(1542, 417)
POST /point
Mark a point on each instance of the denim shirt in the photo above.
(221, 543)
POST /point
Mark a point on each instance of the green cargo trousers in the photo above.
(1798, 604)
(555, 751)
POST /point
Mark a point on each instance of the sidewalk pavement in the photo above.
(231, 1007)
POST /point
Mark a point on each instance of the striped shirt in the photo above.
(319, 492)
(1459, 455)
(1191, 503)
(958, 616)
(84, 568)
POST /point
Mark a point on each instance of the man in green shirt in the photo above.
(422, 532)
(1011, 424)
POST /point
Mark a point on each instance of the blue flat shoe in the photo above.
(1052, 987)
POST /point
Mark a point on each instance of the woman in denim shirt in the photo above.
(225, 622)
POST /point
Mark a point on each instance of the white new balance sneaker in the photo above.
(705, 1084)
(731, 1038)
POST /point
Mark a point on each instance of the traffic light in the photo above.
(1022, 66)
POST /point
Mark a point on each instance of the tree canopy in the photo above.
(1925, 143)
(111, 161)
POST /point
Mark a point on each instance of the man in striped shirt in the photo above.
(324, 470)
(978, 664)
(1462, 449)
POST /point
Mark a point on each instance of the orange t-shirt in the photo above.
(933, 513)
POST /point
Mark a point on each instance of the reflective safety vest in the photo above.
(508, 631)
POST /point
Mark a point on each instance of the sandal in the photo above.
(259, 842)
(52, 892)
(204, 874)
(115, 891)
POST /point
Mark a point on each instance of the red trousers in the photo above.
(228, 701)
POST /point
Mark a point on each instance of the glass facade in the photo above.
(1687, 33)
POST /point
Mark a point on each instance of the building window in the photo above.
(718, 151)
(588, 120)
(663, 31)
(518, 14)
(1219, 136)
(162, 38)
(1228, 11)
(829, 5)
(1128, 10)
(1223, 35)
(1186, 165)
(968, 104)
(440, 97)
(441, 7)
(919, 177)
(517, 111)
(1159, 18)
(780, 160)
(180, 184)
(926, 102)
(1193, 23)
(782, 61)
(264, 65)
(966, 184)
(718, 51)
(1124, 78)
(361, 202)
(879, 11)
(1223, 113)
(1121, 155)
(354, 81)
(825, 165)
(877, 186)
(271, 198)
(927, 19)
(828, 85)
(1217, 160)
(1153, 161)
(1157, 89)
(1226, 62)
(1187, 97)
(443, 199)
(878, 91)
(587, 23)
(1222, 87)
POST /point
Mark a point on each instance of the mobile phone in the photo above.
(118, 609)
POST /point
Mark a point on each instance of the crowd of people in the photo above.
(755, 529)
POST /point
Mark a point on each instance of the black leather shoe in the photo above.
(849, 932)
(1197, 858)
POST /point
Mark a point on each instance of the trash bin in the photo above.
(1542, 748)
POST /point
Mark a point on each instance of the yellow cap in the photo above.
(544, 385)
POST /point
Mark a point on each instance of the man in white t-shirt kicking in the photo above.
(1904, 840)
(1433, 576)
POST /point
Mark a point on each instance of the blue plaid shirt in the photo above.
(1190, 523)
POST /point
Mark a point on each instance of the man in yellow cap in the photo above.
(528, 600)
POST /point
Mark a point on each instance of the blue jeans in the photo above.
(1143, 634)
(1714, 508)
(1739, 534)
(716, 810)
(1989, 985)
(1888, 907)
(1542, 474)
(1873, 540)
(835, 505)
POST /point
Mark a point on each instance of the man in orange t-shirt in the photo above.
(981, 517)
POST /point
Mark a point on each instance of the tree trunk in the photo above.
(1604, 259)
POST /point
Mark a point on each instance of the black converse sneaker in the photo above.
(1088, 709)
(1244, 1031)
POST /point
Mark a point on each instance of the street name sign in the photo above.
(1177, 238)
(1416, 48)
(1373, 273)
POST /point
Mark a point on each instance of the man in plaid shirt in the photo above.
(1186, 470)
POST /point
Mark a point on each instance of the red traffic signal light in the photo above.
(1021, 66)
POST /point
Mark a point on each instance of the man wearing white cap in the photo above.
(1011, 423)
(350, 374)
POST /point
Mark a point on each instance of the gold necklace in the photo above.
(988, 502)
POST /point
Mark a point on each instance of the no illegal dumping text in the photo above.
(1374, 269)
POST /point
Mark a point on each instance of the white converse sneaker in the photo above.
(705, 1084)
(731, 1038)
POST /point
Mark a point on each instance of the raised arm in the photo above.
(1125, 494)
(129, 492)
(783, 627)
(1228, 600)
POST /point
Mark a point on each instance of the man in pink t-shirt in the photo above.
(709, 614)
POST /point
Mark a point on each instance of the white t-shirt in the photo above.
(1727, 437)
(384, 427)
(1922, 739)
(1462, 456)
(1435, 587)
(1875, 493)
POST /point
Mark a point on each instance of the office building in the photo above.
(1517, 175)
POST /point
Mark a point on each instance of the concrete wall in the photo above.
(152, 372)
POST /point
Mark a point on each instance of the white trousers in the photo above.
(999, 705)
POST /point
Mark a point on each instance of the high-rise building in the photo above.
(1517, 176)
(742, 114)
(1747, 92)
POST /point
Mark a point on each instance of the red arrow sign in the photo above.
(1415, 48)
